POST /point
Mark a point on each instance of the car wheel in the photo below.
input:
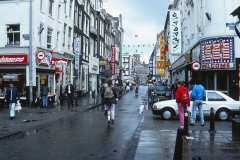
(223, 114)
(167, 113)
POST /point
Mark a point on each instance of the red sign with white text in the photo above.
(113, 58)
(14, 59)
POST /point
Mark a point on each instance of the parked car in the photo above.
(223, 105)
(163, 93)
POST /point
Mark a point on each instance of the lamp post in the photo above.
(30, 55)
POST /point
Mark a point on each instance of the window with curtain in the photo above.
(70, 8)
(50, 8)
(49, 38)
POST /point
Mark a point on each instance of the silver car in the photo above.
(223, 105)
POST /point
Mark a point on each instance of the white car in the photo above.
(223, 106)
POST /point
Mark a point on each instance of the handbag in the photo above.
(18, 107)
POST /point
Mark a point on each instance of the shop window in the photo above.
(13, 34)
(210, 80)
(222, 81)
(49, 38)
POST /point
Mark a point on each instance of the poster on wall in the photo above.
(217, 53)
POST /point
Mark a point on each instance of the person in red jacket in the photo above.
(182, 104)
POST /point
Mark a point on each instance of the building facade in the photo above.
(208, 43)
(52, 50)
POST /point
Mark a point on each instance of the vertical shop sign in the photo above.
(175, 32)
(113, 60)
(162, 51)
(151, 66)
(77, 53)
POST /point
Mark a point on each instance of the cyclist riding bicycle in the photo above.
(109, 96)
(136, 90)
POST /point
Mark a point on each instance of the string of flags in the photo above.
(138, 45)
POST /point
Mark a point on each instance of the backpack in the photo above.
(184, 96)
(108, 93)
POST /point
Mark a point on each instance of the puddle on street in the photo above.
(26, 121)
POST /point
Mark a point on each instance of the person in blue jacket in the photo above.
(198, 95)
(11, 97)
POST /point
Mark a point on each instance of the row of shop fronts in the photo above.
(213, 60)
(50, 68)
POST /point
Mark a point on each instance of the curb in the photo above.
(9, 134)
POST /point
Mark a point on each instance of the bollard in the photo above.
(93, 94)
(212, 125)
(185, 131)
(178, 145)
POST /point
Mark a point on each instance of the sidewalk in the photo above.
(35, 117)
(158, 138)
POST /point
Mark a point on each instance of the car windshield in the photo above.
(161, 88)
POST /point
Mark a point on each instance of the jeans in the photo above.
(45, 100)
(70, 99)
(197, 104)
(12, 109)
(112, 110)
(181, 110)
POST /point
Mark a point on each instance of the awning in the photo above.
(58, 70)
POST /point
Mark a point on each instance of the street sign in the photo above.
(41, 55)
(196, 66)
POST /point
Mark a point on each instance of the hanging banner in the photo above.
(175, 33)
(113, 63)
(77, 53)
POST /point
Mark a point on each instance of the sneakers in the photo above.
(181, 127)
(112, 121)
(191, 124)
(203, 124)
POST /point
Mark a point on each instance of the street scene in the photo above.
(81, 132)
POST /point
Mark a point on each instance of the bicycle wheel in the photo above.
(109, 119)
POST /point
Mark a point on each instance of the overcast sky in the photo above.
(144, 18)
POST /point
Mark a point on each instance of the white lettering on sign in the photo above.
(8, 60)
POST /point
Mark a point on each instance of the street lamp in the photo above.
(30, 55)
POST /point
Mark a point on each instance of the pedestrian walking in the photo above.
(174, 89)
(190, 85)
(11, 97)
(198, 95)
(61, 93)
(109, 96)
(44, 92)
(183, 101)
(69, 90)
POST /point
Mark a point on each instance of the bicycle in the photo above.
(109, 115)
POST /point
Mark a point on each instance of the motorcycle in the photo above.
(152, 98)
